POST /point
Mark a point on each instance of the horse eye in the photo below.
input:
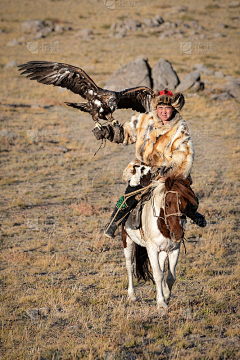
(167, 205)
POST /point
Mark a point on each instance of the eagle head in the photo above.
(112, 103)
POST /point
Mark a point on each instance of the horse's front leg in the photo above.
(128, 252)
(171, 277)
(162, 257)
(158, 277)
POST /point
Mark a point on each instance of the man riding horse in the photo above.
(163, 148)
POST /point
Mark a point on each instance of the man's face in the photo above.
(164, 112)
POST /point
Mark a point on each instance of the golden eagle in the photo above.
(100, 103)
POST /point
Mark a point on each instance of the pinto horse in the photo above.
(161, 232)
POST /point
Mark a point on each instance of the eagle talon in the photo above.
(98, 125)
(115, 122)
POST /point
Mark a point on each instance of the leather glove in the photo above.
(113, 133)
(102, 133)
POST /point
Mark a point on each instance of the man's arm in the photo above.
(113, 133)
(179, 161)
(126, 134)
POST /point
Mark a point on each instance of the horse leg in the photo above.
(171, 277)
(162, 257)
(128, 252)
(158, 277)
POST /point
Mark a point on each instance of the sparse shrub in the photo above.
(85, 208)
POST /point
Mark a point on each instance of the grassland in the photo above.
(63, 284)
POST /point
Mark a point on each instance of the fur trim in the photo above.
(177, 101)
(166, 147)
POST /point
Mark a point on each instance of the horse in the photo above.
(162, 230)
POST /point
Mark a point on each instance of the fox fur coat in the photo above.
(167, 148)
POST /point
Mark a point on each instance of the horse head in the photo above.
(172, 219)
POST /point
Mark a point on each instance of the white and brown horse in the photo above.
(162, 229)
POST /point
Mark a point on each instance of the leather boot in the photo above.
(198, 219)
(112, 226)
(122, 214)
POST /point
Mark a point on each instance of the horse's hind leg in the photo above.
(128, 252)
(171, 277)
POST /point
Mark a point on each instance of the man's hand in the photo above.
(113, 133)
(164, 170)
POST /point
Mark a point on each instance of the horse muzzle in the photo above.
(175, 237)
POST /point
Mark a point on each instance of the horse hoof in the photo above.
(162, 308)
(132, 297)
(167, 299)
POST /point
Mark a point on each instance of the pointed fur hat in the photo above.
(166, 97)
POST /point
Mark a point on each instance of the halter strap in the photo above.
(178, 213)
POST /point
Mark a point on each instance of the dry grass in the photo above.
(64, 285)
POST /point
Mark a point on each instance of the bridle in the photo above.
(165, 217)
(178, 213)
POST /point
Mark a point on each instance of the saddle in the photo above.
(135, 215)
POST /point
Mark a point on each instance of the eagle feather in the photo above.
(101, 103)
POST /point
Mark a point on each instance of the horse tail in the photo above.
(143, 268)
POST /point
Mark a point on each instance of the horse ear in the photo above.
(168, 183)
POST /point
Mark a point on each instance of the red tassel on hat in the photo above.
(165, 92)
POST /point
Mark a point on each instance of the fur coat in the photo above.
(167, 148)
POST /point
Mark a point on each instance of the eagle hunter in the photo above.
(100, 103)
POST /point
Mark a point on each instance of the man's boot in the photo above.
(198, 219)
(117, 217)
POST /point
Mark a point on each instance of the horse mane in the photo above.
(182, 186)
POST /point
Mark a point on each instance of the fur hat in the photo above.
(166, 97)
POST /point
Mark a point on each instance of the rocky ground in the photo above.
(63, 284)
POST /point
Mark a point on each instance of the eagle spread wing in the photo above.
(138, 99)
(100, 103)
(60, 74)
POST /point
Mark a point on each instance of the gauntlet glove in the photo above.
(113, 133)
